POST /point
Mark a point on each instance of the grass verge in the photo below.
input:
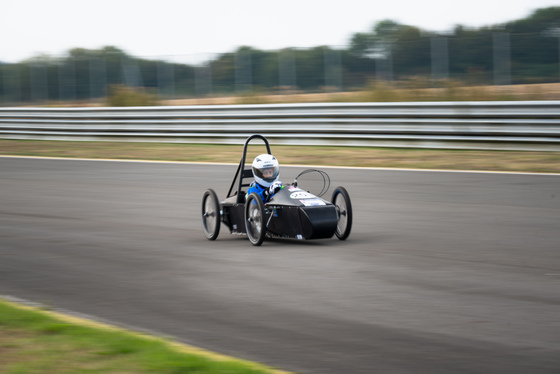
(34, 341)
(512, 161)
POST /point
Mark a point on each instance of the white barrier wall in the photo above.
(515, 125)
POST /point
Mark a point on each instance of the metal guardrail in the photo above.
(516, 125)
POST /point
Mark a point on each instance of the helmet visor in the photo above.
(268, 174)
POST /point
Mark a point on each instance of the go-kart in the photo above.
(291, 213)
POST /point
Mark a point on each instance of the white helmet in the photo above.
(266, 169)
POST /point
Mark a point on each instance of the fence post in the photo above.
(38, 82)
(131, 72)
(384, 66)
(440, 58)
(166, 79)
(67, 81)
(333, 70)
(203, 79)
(286, 70)
(243, 70)
(502, 56)
(97, 78)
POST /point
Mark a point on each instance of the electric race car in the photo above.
(291, 213)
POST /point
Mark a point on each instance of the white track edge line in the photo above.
(291, 165)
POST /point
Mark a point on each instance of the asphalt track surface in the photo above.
(444, 272)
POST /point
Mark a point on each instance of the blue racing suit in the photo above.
(262, 191)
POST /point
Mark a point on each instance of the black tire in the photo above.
(211, 216)
(341, 200)
(255, 219)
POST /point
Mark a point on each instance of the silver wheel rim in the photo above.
(255, 220)
(342, 211)
(209, 216)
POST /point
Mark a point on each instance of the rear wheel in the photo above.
(255, 219)
(211, 214)
(341, 200)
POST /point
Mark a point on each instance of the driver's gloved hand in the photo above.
(274, 187)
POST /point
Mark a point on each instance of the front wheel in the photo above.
(341, 200)
(255, 219)
(211, 214)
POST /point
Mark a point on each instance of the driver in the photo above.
(266, 171)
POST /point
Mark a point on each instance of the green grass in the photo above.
(514, 161)
(34, 341)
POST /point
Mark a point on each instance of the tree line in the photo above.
(528, 50)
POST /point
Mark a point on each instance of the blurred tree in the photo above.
(535, 38)
(310, 74)
(223, 72)
(361, 45)
(403, 50)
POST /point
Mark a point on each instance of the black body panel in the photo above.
(299, 214)
(291, 213)
(319, 222)
(234, 217)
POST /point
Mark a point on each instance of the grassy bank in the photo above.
(414, 89)
(34, 341)
(517, 161)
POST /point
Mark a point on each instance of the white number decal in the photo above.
(301, 195)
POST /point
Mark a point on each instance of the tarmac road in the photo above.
(444, 272)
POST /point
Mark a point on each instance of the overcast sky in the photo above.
(179, 28)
